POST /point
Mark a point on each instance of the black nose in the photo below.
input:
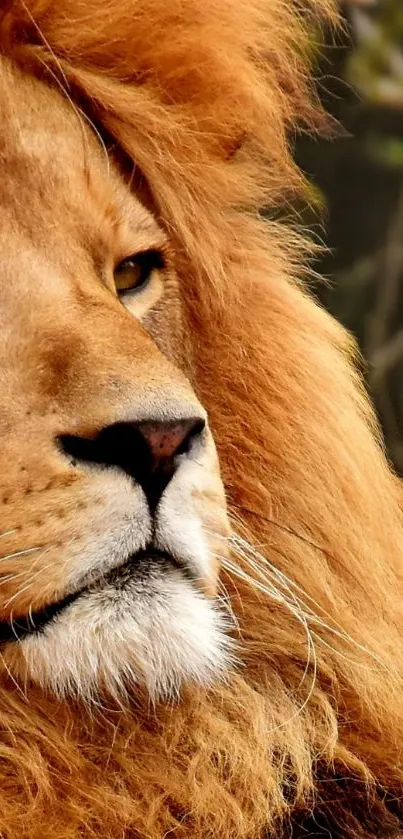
(148, 451)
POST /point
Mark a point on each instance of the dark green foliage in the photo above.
(359, 177)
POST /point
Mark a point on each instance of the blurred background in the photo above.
(356, 201)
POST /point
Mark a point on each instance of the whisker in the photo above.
(66, 88)
(20, 553)
(30, 618)
(273, 592)
(286, 529)
(17, 594)
(300, 616)
(80, 114)
(306, 701)
(8, 533)
(282, 527)
(244, 549)
(225, 602)
(98, 134)
(234, 584)
(66, 94)
(12, 628)
(303, 617)
(39, 557)
(47, 44)
(336, 651)
(28, 586)
(11, 577)
(242, 575)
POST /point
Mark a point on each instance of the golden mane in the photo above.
(200, 96)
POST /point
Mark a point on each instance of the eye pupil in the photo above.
(133, 273)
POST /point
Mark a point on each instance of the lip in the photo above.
(19, 628)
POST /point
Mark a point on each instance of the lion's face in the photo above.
(112, 509)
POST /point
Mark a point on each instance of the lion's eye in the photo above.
(133, 273)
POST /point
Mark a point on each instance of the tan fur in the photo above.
(305, 737)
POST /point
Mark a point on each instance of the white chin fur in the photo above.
(157, 631)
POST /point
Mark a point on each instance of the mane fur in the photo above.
(305, 737)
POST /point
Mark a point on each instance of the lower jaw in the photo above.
(17, 628)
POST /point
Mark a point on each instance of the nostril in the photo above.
(78, 448)
(195, 431)
(166, 440)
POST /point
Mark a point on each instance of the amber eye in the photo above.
(133, 273)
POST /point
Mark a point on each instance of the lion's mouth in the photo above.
(18, 628)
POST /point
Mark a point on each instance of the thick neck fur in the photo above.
(309, 726)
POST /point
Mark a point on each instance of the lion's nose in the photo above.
(148, 451)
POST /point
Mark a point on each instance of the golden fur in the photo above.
(305, 737)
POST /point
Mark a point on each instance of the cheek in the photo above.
(166, 325)
(64, 531)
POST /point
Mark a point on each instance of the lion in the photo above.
(201, 538)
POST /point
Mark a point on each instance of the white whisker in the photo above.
(263, 567)
(299, 615)
(28, 586)
(7, 533)
(46, 42)
(30, 618)
(19, 553)
(225, 601)
(12, 628)
(80, 114)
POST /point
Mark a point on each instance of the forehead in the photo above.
(38, 128)
(54, 167)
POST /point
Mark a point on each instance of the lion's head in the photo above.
(148, 314)
(113, 513)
